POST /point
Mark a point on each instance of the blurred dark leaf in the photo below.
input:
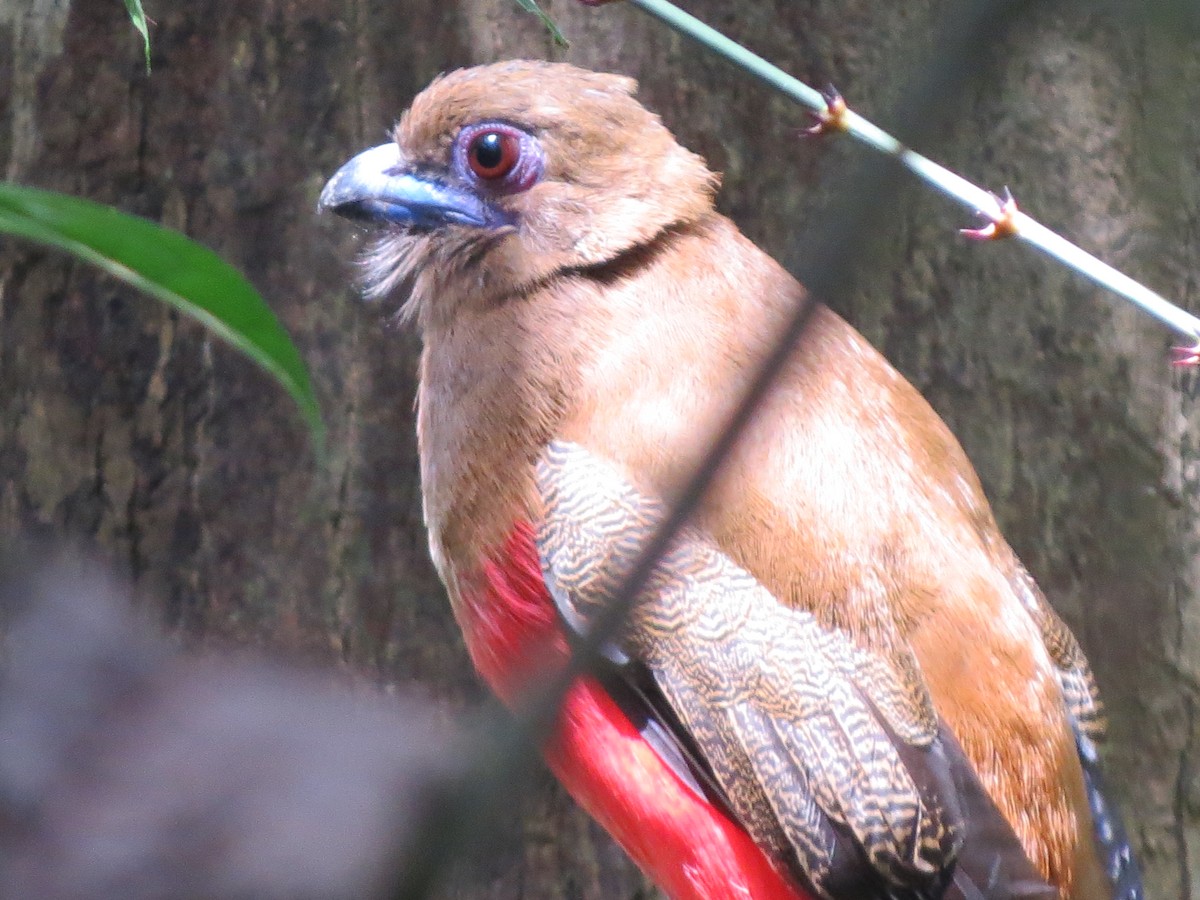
(131, 770)
(1177, 18)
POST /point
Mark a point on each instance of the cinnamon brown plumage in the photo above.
(891, 705)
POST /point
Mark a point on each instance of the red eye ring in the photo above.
(498, 157)
(493, 153)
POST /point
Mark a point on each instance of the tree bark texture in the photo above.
(126, 429)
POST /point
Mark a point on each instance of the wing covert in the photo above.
(832, 757)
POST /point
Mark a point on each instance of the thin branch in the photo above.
(954, 186)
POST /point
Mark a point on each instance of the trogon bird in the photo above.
(839, 682)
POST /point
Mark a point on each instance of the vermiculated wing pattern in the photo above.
(831, 756)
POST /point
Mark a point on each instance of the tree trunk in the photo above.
(126, 429)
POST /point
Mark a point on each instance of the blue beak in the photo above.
(374, 187)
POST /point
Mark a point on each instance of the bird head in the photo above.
(501, 176)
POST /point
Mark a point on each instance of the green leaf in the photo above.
(531, 6)
(138, 16)
(169, 266)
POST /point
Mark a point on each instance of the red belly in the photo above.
(686, 845)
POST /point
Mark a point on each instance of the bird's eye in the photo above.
(501, 157)
(493, 153)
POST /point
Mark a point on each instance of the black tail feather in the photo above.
(1112, 841)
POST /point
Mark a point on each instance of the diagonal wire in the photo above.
(965, 34)
(466, 809)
